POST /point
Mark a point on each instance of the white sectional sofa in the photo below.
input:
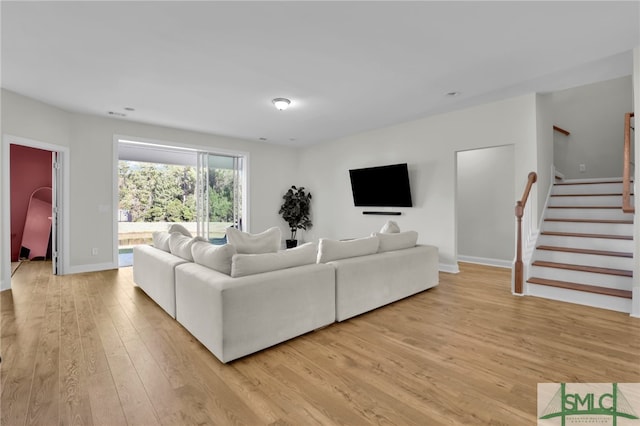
(375, 271)
(365, 283)
(236, 304)
(154, 272)
(234, 317)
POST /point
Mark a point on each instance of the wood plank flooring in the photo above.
(93, 349)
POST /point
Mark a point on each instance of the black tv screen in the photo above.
(383, 186)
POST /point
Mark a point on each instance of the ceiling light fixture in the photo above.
(281, 103)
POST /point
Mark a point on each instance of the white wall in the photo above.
(594, 114)
(545, 148)
(90, 142)
(485, 204)
(428, 146)
(635, 305)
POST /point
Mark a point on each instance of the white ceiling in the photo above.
(348, 67)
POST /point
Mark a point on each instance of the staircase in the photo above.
(584, 253)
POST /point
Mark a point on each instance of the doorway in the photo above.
(484, 205)
(33, 179)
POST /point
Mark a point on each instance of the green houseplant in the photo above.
(295, 211)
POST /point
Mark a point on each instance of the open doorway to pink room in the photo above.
(32, 187)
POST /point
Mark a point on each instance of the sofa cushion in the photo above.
(390, 227)
(161, 241)
(399, 241)
(176, 227)
(180, 245)
(333, 250)
(246, 243)
(250, 264)
(213, 256)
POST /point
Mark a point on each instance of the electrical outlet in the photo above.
(582, 168)
(94, 251)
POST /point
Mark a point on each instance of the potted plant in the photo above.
(295, 211)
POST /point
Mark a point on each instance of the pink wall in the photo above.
(30, 169)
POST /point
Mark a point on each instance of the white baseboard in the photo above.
(451, 268)
(91, 268)
(486, 261)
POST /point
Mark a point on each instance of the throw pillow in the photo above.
(180, 245)
(212, 256)
(250, 264)
(390, 228)
(176, 227)
(333, 250)
(264, 242)
(161, 240)
(399, 241)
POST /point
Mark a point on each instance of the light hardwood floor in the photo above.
(94, 349)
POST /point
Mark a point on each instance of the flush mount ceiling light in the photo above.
(281, 103)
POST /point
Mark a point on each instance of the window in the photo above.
(160, 185)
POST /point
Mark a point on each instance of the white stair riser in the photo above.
(586, 243)
(598, 261)
(609, 200)
(601, 188)
(589, 228)
(615, 214)
(580, 297)
(589, 278)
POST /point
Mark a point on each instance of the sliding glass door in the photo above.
(160, 185)
(220, 193)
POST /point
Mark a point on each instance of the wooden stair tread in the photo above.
(588, 195)
(621, 221)
(576, 234)
(589, 183)
(581, 287)
(583, 268)
(586, 251)
(585, 207)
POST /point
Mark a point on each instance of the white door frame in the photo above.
(62, 192)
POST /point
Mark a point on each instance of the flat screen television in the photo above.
(383, 186)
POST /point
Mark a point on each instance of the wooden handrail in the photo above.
(561, 130)
(520, 205)
(626, 167)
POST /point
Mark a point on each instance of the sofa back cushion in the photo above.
(264, 242)
(390, 227)
(180, 245)
(250, 264)
(334, 250)
(161, 241)
(176, 227)
(399, 241)
(213, 256)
